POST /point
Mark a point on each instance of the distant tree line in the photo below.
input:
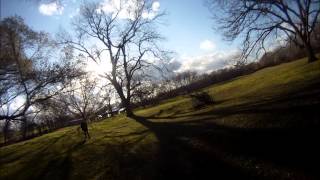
(189, 81)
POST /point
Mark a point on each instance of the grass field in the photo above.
(264, 125)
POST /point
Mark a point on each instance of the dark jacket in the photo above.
(84, 126)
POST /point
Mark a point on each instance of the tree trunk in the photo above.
(6, 131)
(25, 129)
(130, 113)
(310, 53)
(127, 104)
(125, 101)
(128, 108)
(84, 118)
(110, 108)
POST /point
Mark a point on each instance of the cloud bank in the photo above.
(50, 9)
(207, 45)
(127, 8)
(206, 63)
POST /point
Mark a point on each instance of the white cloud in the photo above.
(148, 15)
(99, 68)
(207, 63)
(127, 8)
(153, 12)
(156, 6)
(109, 6)
(50, 9)
(207, 45)
(75, 13)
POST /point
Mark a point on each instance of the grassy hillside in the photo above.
(262, 125)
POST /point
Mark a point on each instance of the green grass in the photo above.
(258, 88)
(63, 153)
(246, 133)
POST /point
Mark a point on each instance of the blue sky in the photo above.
(188, 28)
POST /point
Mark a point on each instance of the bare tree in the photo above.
(262, 21)
(185, 78)
(54, 114)
(85, 98)
(6, 130)
(110, 96)
(126, 36)
(144, 92)
(27, 76)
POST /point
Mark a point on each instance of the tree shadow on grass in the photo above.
(180, 160)
(45, 161)
(202, 148)
(303, 101)
(60, 166)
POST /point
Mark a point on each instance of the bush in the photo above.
(201, 99)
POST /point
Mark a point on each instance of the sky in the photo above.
(187, 27)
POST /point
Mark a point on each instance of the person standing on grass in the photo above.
(84, 127)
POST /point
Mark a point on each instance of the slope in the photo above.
(261, 125)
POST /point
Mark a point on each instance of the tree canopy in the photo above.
(260, 21)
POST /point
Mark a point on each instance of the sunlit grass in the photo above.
(266, 84)
(122, 148)
(116, 144)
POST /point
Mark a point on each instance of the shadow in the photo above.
(178, 159)
(202, 148)
(44, 147)
(122, 157)
(208, 150)
(179, 114)
(302, 104)
(59, 167)
(284, 147)
(136, 133)
(304, 101)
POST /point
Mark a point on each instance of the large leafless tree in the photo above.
(124, 34)
(260, 21)
(85, 98)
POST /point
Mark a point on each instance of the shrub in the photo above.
(201, 99)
